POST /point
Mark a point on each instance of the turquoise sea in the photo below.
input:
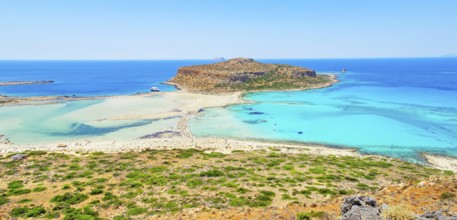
(393, 107)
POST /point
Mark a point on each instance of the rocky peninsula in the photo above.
(15, 83)
(245, 74)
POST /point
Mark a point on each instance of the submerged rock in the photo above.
(256, 113)
(162, 134)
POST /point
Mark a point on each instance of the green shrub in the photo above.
(238, 202)
(268, 193)
(27, 212)
(325, 191)
(85, 213)
(447, 195)
(317, 170)
(24, 201)
(17, 184)
(96, 191)
(137, 175)
(109, 196)
(213, 155)
(120, 217)
(101, 180)
(157, 169)
(243, 190)
(363, 186)
(186, 154)
(3, 200)
(194, 183)
(212, 173)
(310, 215)
(16, 192)
(69, 198)
(261, 201)
(136, 211)
(36, 153)
(39, 189)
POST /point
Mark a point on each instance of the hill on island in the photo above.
(245, 74)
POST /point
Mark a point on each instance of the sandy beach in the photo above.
(442, 162)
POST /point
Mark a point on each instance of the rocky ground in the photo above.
(195, 184)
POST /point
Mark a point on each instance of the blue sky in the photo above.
(203, 29)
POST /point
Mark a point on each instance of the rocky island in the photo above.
(245, 74)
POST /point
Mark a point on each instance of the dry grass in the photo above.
(399, 212)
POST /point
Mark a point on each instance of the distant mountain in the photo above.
(219, 59)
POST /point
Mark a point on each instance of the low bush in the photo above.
(400, 212)
(212, 173)
(17, 184)
(447, 195)
(310, 215)
(70, 198)
(27, 212)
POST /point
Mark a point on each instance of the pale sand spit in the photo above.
(442, 162)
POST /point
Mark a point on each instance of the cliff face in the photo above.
(243, 74)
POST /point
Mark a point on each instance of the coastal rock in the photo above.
(245, 74)
(436, 215)
(360, 208)
(19, 157)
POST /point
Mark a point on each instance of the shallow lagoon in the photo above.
(403, 108)
(116, 119)
(393, 107)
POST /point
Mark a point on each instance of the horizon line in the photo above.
(213, 59)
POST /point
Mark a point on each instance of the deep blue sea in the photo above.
(393, 107)
(88, 78)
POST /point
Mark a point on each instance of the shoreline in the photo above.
(185, 139)
(211, 144)
(34, 100)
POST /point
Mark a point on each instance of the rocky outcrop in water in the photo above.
(244, 74)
